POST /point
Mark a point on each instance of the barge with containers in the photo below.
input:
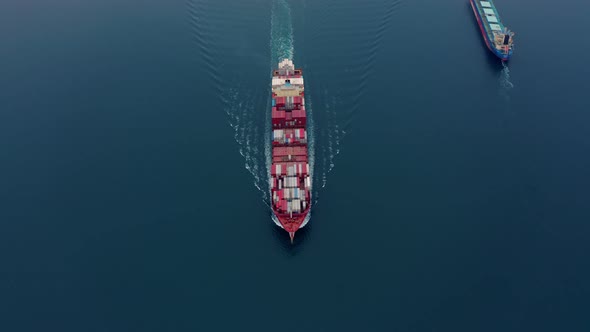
(290, 178)
(497, 37)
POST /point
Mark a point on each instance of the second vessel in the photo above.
(496, 36)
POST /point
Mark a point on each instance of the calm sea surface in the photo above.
(452, 193)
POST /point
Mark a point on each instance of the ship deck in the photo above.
(290, 174)
(490, 18)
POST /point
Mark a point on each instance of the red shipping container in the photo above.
(289, 150)
(278, 151)
(280, 101)
(278, 113)
(278, 118)
(299, 117)
(285, 159)
(301, 134)
(300, 150)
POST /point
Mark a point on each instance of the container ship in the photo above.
(497, 37)
(290, 178)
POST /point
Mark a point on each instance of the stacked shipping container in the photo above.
(290, 173)
(289, 136)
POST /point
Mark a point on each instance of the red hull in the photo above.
(291, 224)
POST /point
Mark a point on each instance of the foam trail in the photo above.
(221, 56)
(281, 31)
(241, 117)
(505, 77)
(310, 138)
(505, 83)
(352, 69)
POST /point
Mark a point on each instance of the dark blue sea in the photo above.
(451, 192)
